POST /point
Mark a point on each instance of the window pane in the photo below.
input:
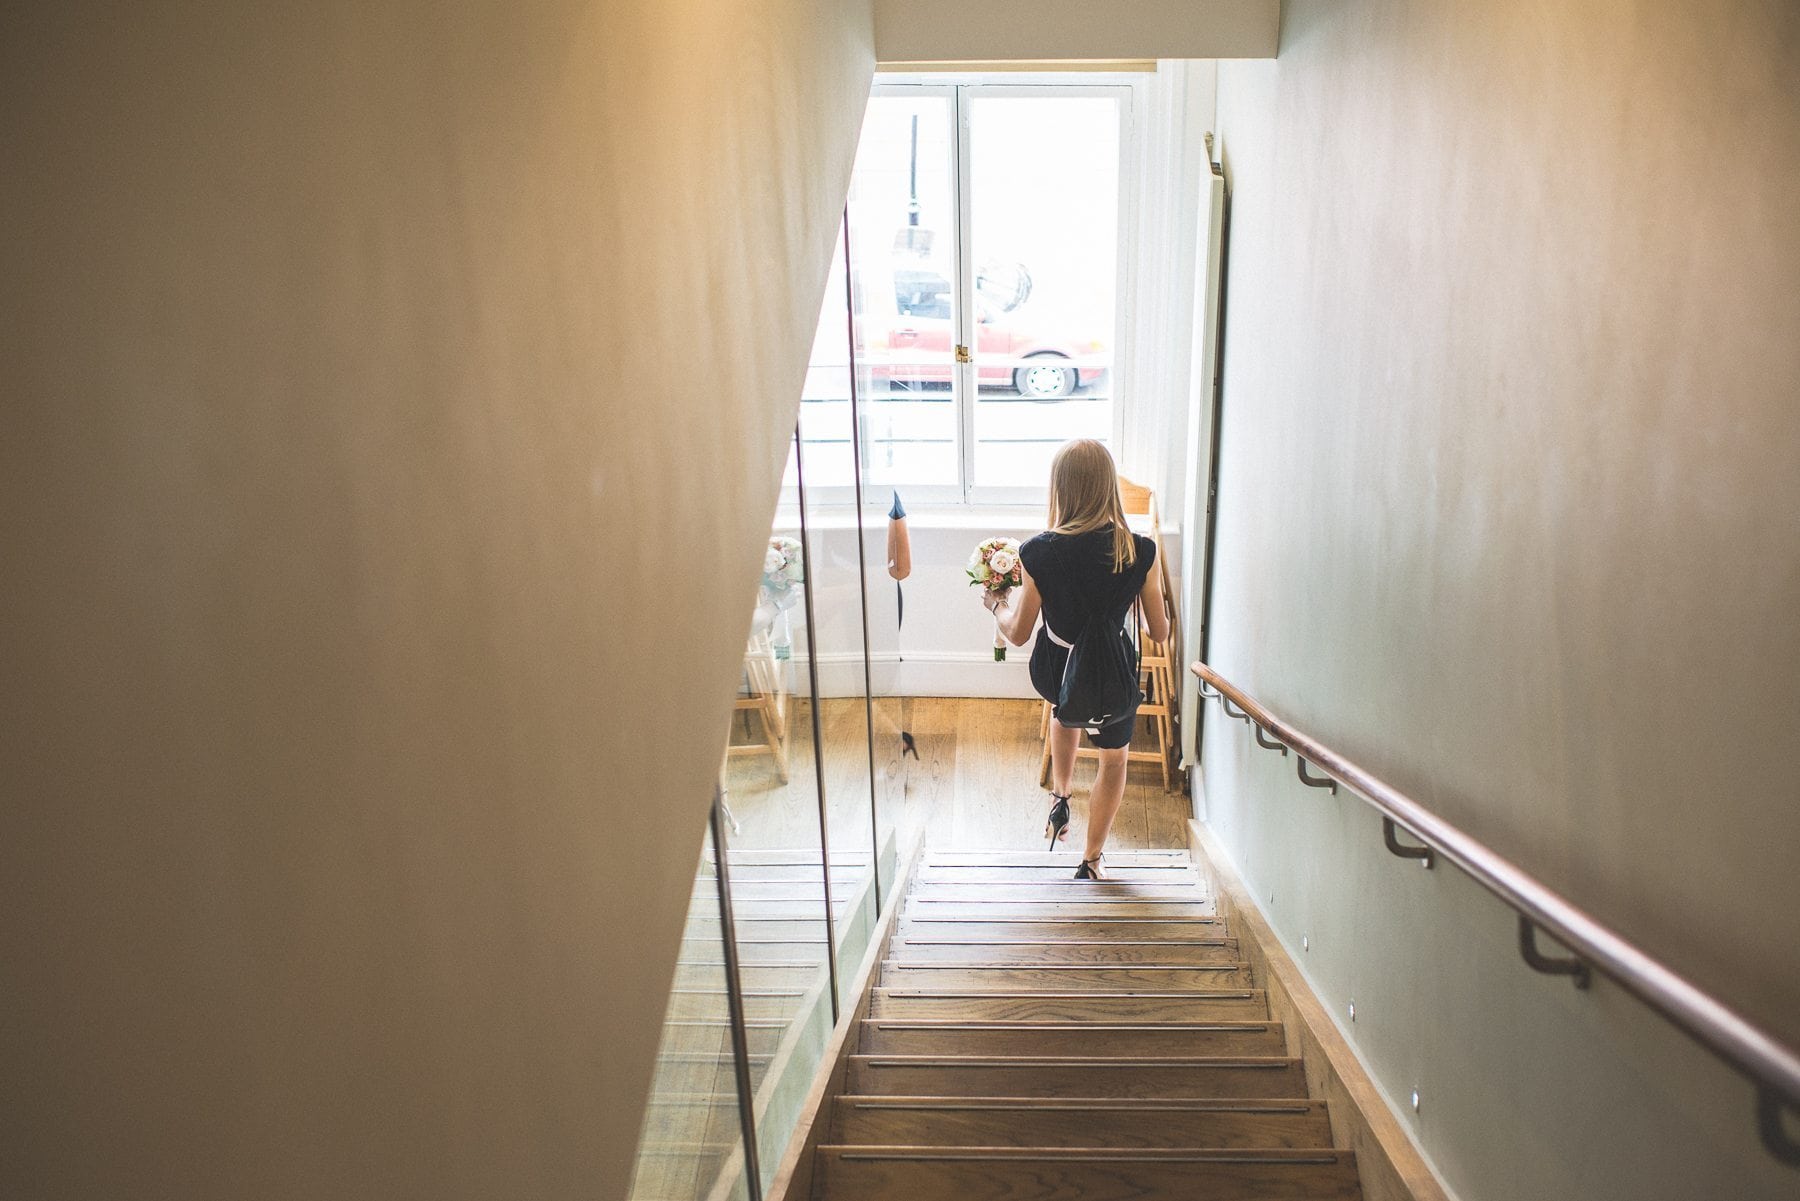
(903, 238)
(1044, 190)
(825, 397)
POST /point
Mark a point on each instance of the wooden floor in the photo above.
(973, 785)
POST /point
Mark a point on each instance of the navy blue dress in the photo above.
(1074, 573)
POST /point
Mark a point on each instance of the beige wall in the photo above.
(998, 30)
(1510, 513)
(394, 407)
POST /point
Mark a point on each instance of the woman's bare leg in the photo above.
(1103, 801)
(1063, 741)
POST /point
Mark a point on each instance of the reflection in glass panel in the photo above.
(887, 545)
(834, 540)
(825, 397)
(903, 239)
(775, 854)
(691, 1144)
(1044, 192)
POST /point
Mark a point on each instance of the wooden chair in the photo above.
(1160, 677)
(765, 695)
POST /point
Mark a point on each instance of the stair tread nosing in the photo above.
(1001, 892)
(1086, 1122)
(1122, 909)
(901, 1173)
(1096, 1006)
(888, 1036)
(1086, 929)
(1123, 1076)
(1066, 977)
(1096, 953)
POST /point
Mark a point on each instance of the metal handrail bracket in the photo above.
(1265, 743)
(1540, 962)
(1771, 1064)
(1309, 781)
(1390, 835)
(1775, 1137)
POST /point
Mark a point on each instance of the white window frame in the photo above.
(959, 88)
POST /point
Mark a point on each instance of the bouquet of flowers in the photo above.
(784, 570)
(995, 568)
(783, 566)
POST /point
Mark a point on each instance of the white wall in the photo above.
(996, 30)
(946, 645)
(1176, 114)
(379, 551)
(1509, 512)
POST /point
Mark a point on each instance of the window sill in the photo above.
(930, 517)
(947, 517)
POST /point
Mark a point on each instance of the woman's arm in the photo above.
(1156, 613)
(1017, 610)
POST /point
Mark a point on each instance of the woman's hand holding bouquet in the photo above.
(995, 569)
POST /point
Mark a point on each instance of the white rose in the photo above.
(982, 572)
(1003, 561)
(772, 560)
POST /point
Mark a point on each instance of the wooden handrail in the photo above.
(1772, 1065)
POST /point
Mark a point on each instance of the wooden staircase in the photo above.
(1030, 1036)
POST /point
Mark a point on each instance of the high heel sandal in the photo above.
(1058, 825)
(1090, 869)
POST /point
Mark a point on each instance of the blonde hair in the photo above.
(1084, 496)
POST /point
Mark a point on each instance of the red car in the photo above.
(913, 343)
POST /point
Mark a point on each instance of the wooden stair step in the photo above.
(1078, 929)
(752, 926)
(894, 1173)
(795, 974)
(1039, 1122)
(1060, 891)
(708, 1158)
(781, 890)
(714, 1034)
(741, 873)
(693, 1117)
(803, 856)
(1069, 1076)
(777, 901)
(689, 1003)
(777, 950)
(1228, 1005)
(1154, 873)
(753, 909)
(944, 946)
(1111, 908)
(763, 955)
(666, 1173)
(1065, 977)
(1138, 858)
(889, 1036)
(680, 1072)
